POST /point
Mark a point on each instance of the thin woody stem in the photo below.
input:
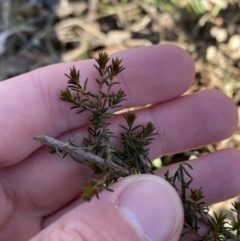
(79, 152)
(195, 232)
(226, 233)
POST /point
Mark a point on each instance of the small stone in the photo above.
(220, 34)
(234, 42)
(212, 54)
(234, 47)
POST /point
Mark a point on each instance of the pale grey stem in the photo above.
(78, 152)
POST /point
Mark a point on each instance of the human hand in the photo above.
(39, 193)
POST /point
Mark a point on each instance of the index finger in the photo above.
(29, 104)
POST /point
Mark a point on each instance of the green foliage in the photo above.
(194, 7)
(110, 162)
(196, 214)
(130, 156)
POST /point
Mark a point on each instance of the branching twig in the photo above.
(80, 152)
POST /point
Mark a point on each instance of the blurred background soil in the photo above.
(36, 33)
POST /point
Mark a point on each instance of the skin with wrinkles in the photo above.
(36, 188)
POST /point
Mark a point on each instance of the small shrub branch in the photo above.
(113, 162)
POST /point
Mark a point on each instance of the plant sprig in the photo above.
(110, 162)
(196, 214)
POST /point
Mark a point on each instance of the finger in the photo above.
(190, 121)
(184, 123)
(122, 215)
(217, 173)
(158, 73)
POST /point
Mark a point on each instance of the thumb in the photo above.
(142, 207)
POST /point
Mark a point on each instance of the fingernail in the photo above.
(153, 207)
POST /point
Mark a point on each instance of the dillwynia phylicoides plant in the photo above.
(110, 162)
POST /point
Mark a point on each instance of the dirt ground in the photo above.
(36, 33)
